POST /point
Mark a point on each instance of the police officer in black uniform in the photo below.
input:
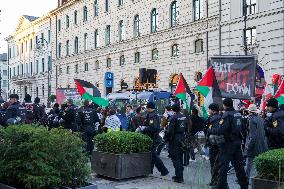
(152, 123)
(40, 116)
(28, 104)
(15, 112)
(54, 116)
(213, 122)
(230, 148)
(274, 125)
(70, 116)
(89, 125)
(175, 136)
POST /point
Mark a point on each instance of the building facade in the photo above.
(93, 40)
(3, 75)
(29, 51)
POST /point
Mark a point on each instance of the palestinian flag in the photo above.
(89, 92)
(267, 94)
(279, 95)
(183, 92)
(205, 87)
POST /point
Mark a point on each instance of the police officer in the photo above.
(213, 122)
(152, 123)
(54, 116)
(175, 136)
(12, 114)
(89, 125)
(39, 112)
(69, 116)
(29, 109)
(230, 148)
(274, 125)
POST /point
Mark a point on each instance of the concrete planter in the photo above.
(3, 186)
(121, 166)
(258, 183)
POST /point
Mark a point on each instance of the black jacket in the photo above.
(274, 127)
(152, 123)
(70, 117)
(177, 128)
(230, 126)
(89, 119)
(12, 112)
(212, 122)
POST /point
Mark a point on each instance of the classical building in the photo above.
(29, 51)
(120, 44)
(3, 75)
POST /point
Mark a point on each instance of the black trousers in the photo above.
(88, 137)
(231, 152)
(156, 160)
(176, 154)
(213, 158)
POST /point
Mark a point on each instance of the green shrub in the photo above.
(270, 164)
(123, 142)
(33, 157)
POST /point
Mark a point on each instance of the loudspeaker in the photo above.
(152, 75)
(142, 75)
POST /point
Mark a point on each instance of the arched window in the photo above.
(97, 65)
(136, 26)
(155, 54)
(175, 50)
(154, 20)
(85, 41)
(107, 35)
(198, 45)
(68, 70)
(75, 17)
(121, 30)
(174, 14)
(86, 67)
(121, 60)
(85, 18)
(76, 45)
(96, 8)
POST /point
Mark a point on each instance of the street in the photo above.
(196, 175)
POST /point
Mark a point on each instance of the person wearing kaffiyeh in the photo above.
(274, 125)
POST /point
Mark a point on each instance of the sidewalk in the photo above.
(196, 175)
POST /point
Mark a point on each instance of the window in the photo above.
(85, 41)
(76, 45)
(96, 8)
(49, 36)
(14, 71)
(27, 68)
(155, 54)
(76, 68)
(106, 5)
(137, 57)
(5, 73)
(22, 47)
(249, 7)
(60, 70)
(37, 66)
(18, 70)
(31, 67)
(67, 48)
(42, 38)
(198, 45)
(36, 91)
(42, 62)
(49, 64)
(67, 70)
(154, 17)
(22, 69)
(5, 83)
(26, 46)
(96, 38)
(59, 50)
(59, 25)
(175, 50)
(120, 2)
(42, 88)
(174, 14)
(108, 35)
(136, 26)
(67, 21)
(75, 17)
(121, 31)
(85, 13)
(86, 67)
(108, 63)
(121, 60)
(97, 65)
(31, 44)
(198, 9)
(250, 36)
